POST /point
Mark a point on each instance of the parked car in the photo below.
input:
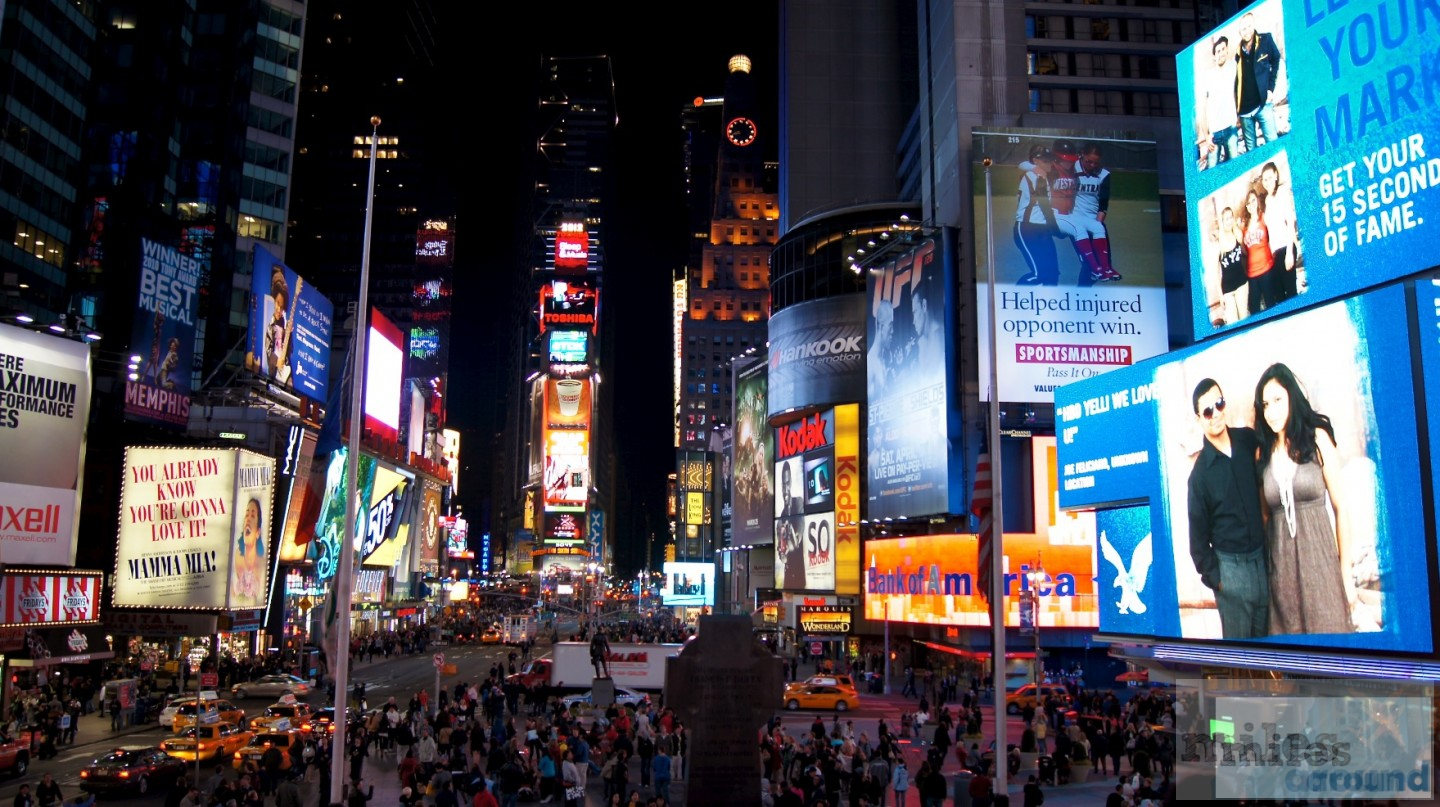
(272, 686)
(624, 696)
(1015, 702)
(820, 696)
(132, 769)
(206, 741)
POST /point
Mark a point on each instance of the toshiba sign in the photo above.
(817, 354)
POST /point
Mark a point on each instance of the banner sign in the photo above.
(1310, 123)
(49, 598)
(932, 580)
(159, 624)
(753, 497)
(290, 328)
(818, 620)
(912, 396)
(43, 416)
(1340, 381)
(164, 336)
(1079, 267)
(193, 528)
(817, 353)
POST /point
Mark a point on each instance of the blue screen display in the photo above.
(1331, 537)
(1313, 156)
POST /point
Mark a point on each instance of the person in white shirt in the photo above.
(1217, 122)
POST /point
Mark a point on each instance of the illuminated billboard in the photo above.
(295, 472)
(163, 336)
(43, 416)
(194, 528)
(430, 311)
(290, 328)
(572, 247)
(536, 455)
(817, 353)
(385, 367)
(563, 530)
(753, 498)
(457, 542)
(569, 346)
(429, 526)
(1427, 294)
(567, 443)
(1334, 152)
(35, 599)
(912, 398)
(933, 580)
(1079, 268)
(1335, 523)
(568, 304)
(805, 503)
(689, 584)
(330, 524)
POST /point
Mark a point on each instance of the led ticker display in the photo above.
(1324, 112)
(1151, 435)
(932, 579)
(385, 367)
(567, 443)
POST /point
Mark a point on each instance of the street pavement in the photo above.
(94, 737)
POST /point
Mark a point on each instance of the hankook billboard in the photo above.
(817, 354)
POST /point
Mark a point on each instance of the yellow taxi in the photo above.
(820, 696)
(1026, 696)
(207, 740)
(295, 713)
(207, 710)
(491, 635)
(279, 736)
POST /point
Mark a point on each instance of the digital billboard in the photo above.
(430, 300)
(34, 599)
(912, 399)
(194, 528)
(568, 304)
(805, 503)
(1345, 205)
(330, 525)
(295, 471)
(457, 541)
(753, 498)
(43, 416)
(163, 336)
(1290, 446)
(429, 518)
(933, 580)
(563, 530)
(569, 346)
(567, 443)
(572, 247)
(1079, 268)
(384, 369)
(1427, 294)
(817, 353)
(691, 584)
(290, 328)
(536, 465)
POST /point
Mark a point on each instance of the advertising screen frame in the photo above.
(1354, 169)
(306, 330)
(384, 376)
(1352, 361)
(817, 353)
(752, 499)
(567, 443)
(912, 398)
(44, 446)
(1054, 328)
(695, 581)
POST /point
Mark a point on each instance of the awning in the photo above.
(975, 655)
(46, 648)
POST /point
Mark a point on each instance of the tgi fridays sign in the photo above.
(819, 619)
(49, 599)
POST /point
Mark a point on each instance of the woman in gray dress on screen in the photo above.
(1305, 527)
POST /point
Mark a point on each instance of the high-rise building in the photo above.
(555, 479)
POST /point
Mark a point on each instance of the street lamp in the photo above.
(1037, 577)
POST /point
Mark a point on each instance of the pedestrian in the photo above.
(47, 793)
(661, 773)
(1034, 796)
(900, 781)
(23, 798)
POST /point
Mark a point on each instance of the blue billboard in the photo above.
(913, 421)
(163, 337)
(1309, 176)
(290, 328)
(1427, 296)
(1262, 486)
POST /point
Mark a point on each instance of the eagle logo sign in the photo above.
(1132, 581)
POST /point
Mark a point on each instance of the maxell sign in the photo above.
(817, 354)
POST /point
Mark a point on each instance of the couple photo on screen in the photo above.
(1269, 504)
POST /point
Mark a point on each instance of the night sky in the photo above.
(679, 56)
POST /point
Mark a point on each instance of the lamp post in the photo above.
(1037, 577)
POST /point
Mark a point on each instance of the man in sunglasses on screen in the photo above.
(1227, 536)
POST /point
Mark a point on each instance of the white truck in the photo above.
(518, 628)
(637, 666)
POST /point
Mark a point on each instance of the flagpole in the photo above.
(997, 512)
(345, 573)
